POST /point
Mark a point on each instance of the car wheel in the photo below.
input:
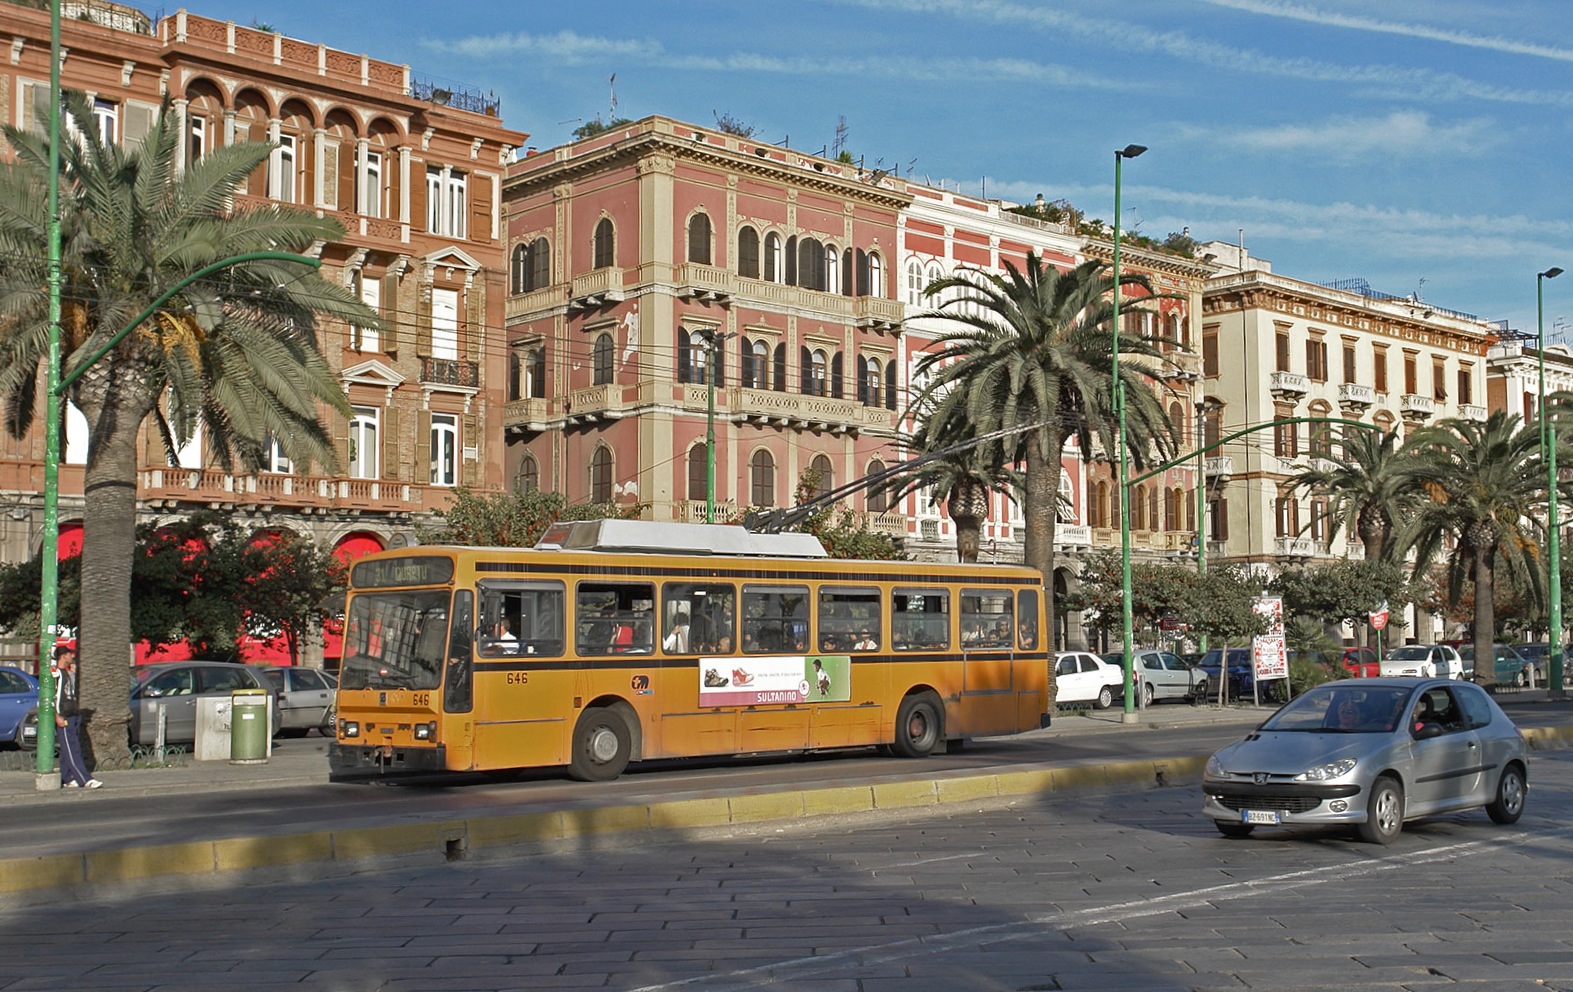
(1384, 813)
(1523, 679)
(330, 724)
(1234, 829)
(1508, 806)
(918, 729)
(1146, 693)
(601, 747)
(1105, 698)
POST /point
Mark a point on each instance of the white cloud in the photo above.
(1314, 15)
(1350, 139)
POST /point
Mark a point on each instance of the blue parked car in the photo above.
(1242, 675)
(18, 708)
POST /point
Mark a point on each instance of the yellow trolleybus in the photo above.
(614, 641)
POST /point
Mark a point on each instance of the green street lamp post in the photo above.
(1548, 444)
(713, 341)
(48, 609)
(1129, 151)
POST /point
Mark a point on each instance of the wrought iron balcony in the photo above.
(451, 372)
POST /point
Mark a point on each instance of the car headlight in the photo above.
(1215, 767)
(1333, 769)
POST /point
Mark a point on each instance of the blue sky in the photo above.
(1423, 145)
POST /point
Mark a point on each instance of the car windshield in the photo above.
(395, 640)
(1410, 653)
(1342, 709)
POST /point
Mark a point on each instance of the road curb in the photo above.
(447, 840)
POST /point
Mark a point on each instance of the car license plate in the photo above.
(1268, 817)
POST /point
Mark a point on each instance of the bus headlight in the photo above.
(425, 731)
(349, 728)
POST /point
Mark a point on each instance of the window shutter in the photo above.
(685, 360)
(864, 279)
(805, 371)
(837, 368)
(330, 176)
(541, 264)
(745, 358)
(136, 121)
(341, 445)
(890, 384)
(390, 181)
(423, 324)
(421, 470)
(390, 467)
(849, 272)
(718, 360)
(417, 218)
(862, 385)
(346, 176)
(471, 472)
(781, 368)
(392, 315)
(791, 261)
(480, 194)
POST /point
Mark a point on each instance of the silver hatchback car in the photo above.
(1371, 754)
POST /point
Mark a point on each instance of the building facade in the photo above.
(661, 271)
(414, 174)
(1275, 348)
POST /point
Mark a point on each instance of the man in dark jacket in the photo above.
(68, 720)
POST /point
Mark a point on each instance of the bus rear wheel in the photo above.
(918, 726)
(601, 747)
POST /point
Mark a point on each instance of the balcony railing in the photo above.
(1073, 535)
(696, 281)
(595, 402)
(1288, 384)
(451, 372)
(1220, 466)
(1413, 406)
(1469, 411)
(877, 313)
(527, 414)
(1352, 394)
(1294, 547)
(596, 289)
(217, 488)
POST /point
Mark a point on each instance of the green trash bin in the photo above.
(249, 726)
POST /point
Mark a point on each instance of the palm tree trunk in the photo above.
(109, 540)
(1485, 615)
(1040, 515)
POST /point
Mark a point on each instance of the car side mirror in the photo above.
(1427, 730)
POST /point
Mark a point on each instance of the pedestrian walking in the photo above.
(68, 721)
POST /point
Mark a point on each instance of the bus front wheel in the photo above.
(601, 747)
(918, 726)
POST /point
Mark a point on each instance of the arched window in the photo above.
(1171, 510)
(693, 363)
(699, 238)
(825, 476)
(837, 375)
(779, 373)
(914, 284)
(1212, 424)
(832, 269)
(870, 378)
(762, 479)
(890, 384)
(1100, 505)
(540, 265)
(775, 262)
(605, 244)
(1154, 518)
(756, 364)
(603, 360)
(698, 471)
(1065, 506)
(519, 268)
(1177, 422)
(810, 263)
(515, 376)
(818, 373)
(748, 252)
(601, 476)
(1138, 506)
(876, 275)
(529, 478)
(879, 499)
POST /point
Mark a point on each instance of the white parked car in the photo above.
(1083, 677)
(1425, 661)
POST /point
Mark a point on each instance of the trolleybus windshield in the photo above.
(395, 640)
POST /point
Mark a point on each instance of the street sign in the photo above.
(1379, 619)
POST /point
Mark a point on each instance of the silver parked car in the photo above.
(306, 698)
(1371, 754)
(175, 687)
(1160, 675)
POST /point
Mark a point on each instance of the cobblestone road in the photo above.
(1128, 891)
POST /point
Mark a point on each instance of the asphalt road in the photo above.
(1132, 890)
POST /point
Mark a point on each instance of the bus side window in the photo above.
(920, 620)
(457, 696)
(1027, 619)
(987, 619)
(775, 619)
(698, 618)
(849, 619)
(614, 618)
(520, 618)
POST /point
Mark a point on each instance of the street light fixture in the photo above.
(1118, 387)
(1548, 444)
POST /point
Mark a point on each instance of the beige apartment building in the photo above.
(1275, 348)
(414, 174)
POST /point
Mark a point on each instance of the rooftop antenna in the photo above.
(840, 141)
(612, 85)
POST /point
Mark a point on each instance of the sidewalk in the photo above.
(304, 761)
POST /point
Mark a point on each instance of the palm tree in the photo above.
(1034, 354)
(963, 476)
(234, 354)
(1483, 486)
(1369, 491)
